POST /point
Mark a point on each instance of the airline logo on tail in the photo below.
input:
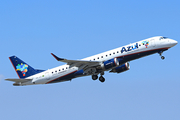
(23, 68)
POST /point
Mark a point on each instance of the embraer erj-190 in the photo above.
(115, 61)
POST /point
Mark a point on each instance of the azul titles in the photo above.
(129, 48)
(134, 46)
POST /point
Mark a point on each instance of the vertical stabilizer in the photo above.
(22, 69)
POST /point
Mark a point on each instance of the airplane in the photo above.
(114, 61)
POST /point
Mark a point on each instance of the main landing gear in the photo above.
(160, 53)
(101, 78)
(94, 77)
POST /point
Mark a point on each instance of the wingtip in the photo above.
(54, 56)
(57, 58)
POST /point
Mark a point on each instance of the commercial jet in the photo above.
(114, 61)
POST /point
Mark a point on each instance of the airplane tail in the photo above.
(22, 69)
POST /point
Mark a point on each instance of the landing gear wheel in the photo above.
(162, 57)
(160, 53)
(94, 77)
(101, 78)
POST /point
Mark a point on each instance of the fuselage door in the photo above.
(46, 75)
(152, 42)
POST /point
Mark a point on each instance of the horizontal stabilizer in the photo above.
(19, 80)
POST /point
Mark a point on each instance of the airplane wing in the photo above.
(19, 80)
(78, 63)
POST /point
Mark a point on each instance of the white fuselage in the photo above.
(154, 43)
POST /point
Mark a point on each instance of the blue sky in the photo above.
(31, 30)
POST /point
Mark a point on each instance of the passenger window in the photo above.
(63, 69)
(101, 56)
(98, 58)
(52, 72)
(94, 59)
(106, 55)
(117, 51)
(109, 54)
(59, 70)
(114, 53)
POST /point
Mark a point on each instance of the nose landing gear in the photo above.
(162, 57)
(160, 53)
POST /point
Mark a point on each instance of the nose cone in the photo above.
(173, 42)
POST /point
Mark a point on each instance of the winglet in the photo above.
(57, 58)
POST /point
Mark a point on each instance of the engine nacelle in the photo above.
(110, 63)
(121, 68)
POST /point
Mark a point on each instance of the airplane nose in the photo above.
(173, 42)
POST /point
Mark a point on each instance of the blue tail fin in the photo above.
(23, 70)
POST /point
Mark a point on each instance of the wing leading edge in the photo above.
(77, 63)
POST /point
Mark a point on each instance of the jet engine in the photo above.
(121, 68)
(110, 63)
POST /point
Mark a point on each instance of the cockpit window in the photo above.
(163, 38)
